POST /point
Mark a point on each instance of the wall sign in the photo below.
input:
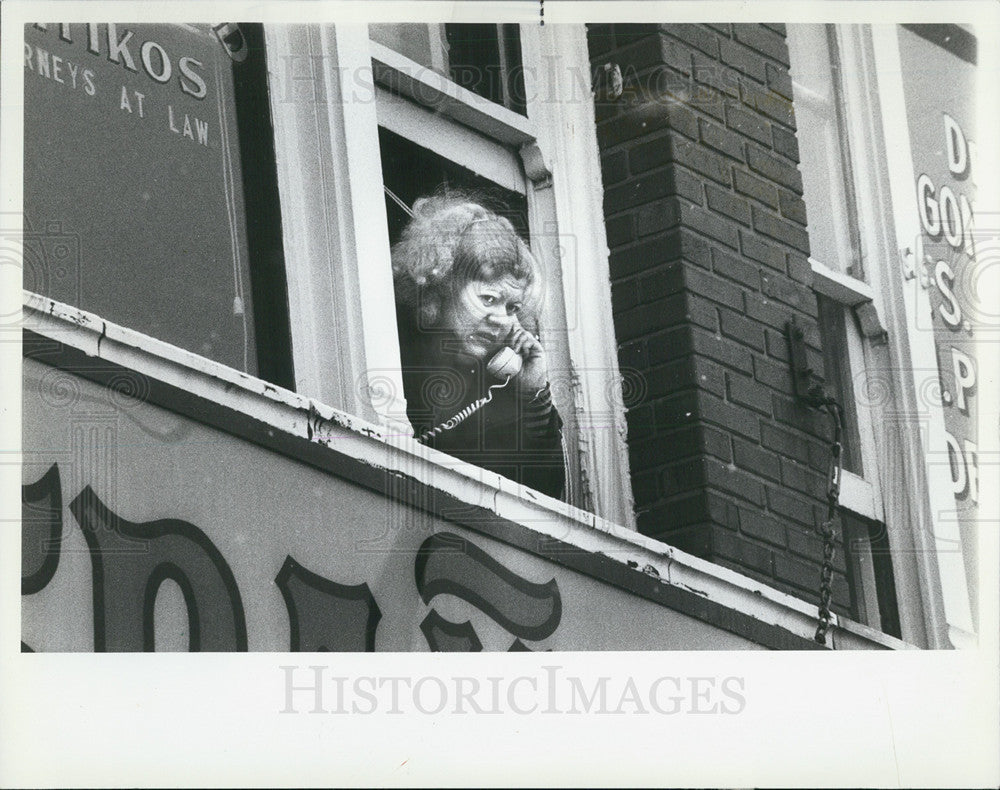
(939, 86)
(133, 183)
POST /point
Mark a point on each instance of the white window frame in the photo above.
(336, 245)
(888, 353)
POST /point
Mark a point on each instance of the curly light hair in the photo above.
(452, 240)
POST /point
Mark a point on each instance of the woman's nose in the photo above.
(499, 317)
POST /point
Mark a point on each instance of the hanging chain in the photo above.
(828, 529)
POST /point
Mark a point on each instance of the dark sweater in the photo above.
(515, 435)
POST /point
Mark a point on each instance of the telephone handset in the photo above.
(504, 366)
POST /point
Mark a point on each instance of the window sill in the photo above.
(351, 448)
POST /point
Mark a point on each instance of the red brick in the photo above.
(682, 477)
(653, 153)
(753, 458)
(721, 139)
(678, 411)
(619, 230)
(641, 422)
(637, 258)
(763, 40)
(695, 157)
(745, 391)
(714, 288)
(600, 39)
(777, 377)
(784, 442)
(742, 120)
(743, 58)
(793, 413)
(780, 287)
(628, 33)
(777, 345)
(754, 187)
(785, 143)
(614, 168)
(762, 251)
(701, 312)
(723, 510)
(733, 418)
(741, 329)
(662, 281)
(805, 576)
(650, 317)
(646, 119)
(709, 100)
(728, 352)
(684, 442)
(647, 454)
(624, 296)
(800, 270)
(697, 36)
(665, 380)
(780, 229)
(809, 545)
(743, 554)
(709, 224)
(802, 478)
(633, 355)
(645, 488)
(707, 375)
(709, 71)
(792, 207)
(797, 508)
(762, 527)
(763, 310)
(764, 100)
(734, 481)
(675, 54)
(656, 217)
(639, 190)
(725, 202)
(669, 344)
(774, 169)
(695, 538)
(735, 269)
(779, 80)
(688, 185)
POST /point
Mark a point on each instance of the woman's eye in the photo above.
(488, 299)
(513, 308)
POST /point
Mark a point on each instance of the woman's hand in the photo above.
(534, 370)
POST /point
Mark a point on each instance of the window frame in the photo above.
(887, 351)
(326, 113)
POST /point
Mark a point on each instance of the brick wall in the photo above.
(706, 227)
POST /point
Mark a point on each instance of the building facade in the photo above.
(740, 224)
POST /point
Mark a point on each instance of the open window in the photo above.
(413, 107)
(848, 320)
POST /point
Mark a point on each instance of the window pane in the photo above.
(482, 58)
(411, 172)
(839, 382)
(486, 59)
(824, 164)
(424, 44)
(133, 157)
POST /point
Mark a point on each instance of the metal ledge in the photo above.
(300, 428)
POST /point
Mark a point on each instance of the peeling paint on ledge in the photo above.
(609, 549)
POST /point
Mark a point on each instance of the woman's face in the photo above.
(481, 313)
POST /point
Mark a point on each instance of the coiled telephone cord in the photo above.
(464, 414)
